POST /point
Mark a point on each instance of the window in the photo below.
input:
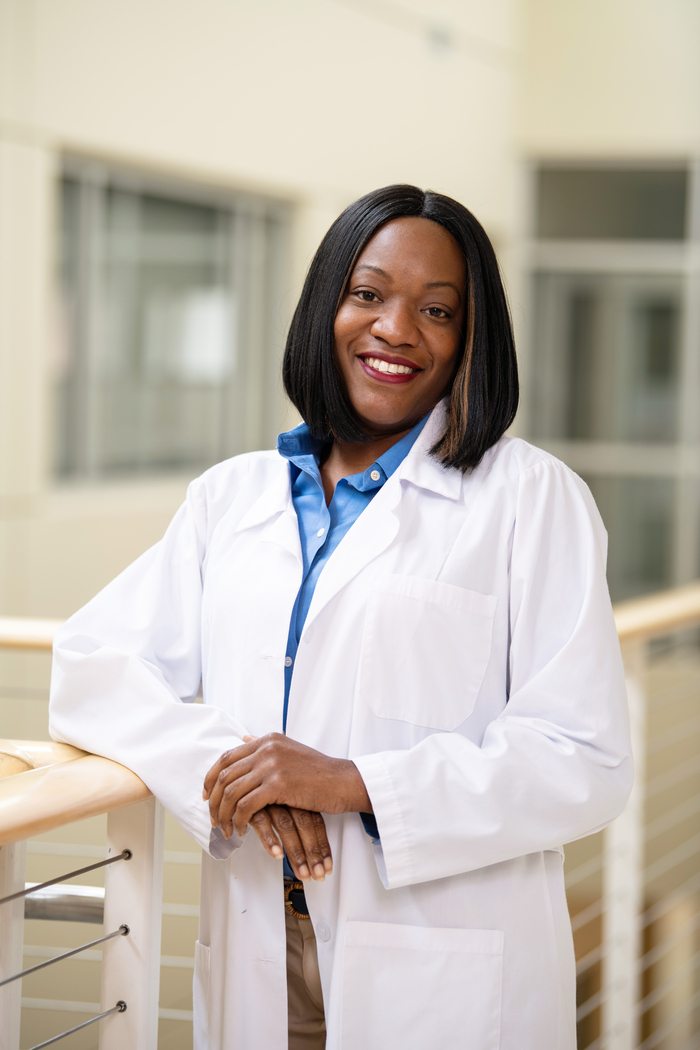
(611, 204)
(607, 350)
(170, 355)
(613, 358)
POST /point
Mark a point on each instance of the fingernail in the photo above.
(213, 821)
(304, 872)
(319, 872)
(277, 851)
(328, 865)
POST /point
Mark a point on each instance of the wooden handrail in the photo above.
(656, 615)
(67, 784)
(27, 633)
(53, 795)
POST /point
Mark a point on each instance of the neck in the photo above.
(346, 458)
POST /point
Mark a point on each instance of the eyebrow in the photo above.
(433, 284)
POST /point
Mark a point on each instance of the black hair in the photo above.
(484, 393)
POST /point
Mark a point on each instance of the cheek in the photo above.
(449, 354)
(342, 327)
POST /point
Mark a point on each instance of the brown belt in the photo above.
(294, 899)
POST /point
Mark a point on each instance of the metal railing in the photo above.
(58, 785)
(633, 890)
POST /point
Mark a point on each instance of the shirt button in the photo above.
(323, 932)
(320, 532)
(288, 661)
(375, 475)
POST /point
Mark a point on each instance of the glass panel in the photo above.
(611, 204)
(638, 514)
(169, 333)
(150, 377)
(605, 358)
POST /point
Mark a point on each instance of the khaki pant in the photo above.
(306, 1020)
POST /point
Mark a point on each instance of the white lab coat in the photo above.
(460, 648)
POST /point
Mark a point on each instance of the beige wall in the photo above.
(315, 101)
(610, 78)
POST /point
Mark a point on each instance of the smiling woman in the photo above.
(408, 658)
(403, 257)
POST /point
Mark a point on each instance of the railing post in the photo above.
(133, 895)
(623, 879)
(12, 859)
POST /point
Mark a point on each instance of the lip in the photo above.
(389, 377)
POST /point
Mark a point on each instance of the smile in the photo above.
(386, 366)
(388, 371)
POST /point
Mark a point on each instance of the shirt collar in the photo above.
(299, 442)
(303, 450)
(389, 461)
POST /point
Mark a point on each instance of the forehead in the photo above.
(415, 244)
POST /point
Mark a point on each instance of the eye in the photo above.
(438, 312)
(365, 295)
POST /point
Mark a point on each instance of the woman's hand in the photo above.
(303, 836)
(275, 771)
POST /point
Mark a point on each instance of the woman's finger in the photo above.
(262, 825)
(243, 790)
(227, 776)
(323, 843)
(288, 835)
(306, 826)
(227, 759)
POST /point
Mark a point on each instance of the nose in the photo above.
(396, 325)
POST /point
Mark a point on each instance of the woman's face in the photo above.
(398, 329)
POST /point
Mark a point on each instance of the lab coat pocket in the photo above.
(200, 995)
(414, 987)
(425, 649)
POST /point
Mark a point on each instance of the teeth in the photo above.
(386, 366)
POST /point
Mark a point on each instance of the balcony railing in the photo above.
(633, 890)
(46, 786)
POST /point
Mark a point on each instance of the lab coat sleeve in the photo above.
(556, 764)
(127, 668)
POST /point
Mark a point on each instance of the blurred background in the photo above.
(167, 169)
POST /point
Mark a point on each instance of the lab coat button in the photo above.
(323, 932)
(288, 661)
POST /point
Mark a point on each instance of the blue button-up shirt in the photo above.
(321, 527)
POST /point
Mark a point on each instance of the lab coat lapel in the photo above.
(371, 534)
(274, 509)
(378, 525)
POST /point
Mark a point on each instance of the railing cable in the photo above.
(123, 931)
(118, 1009)
(125, 854)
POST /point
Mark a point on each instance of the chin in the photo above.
(380, 423)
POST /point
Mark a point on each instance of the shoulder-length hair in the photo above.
(484, 393)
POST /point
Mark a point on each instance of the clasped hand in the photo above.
(280, 787)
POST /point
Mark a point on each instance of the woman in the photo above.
(410, 670)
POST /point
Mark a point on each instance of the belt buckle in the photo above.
(289, 887)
